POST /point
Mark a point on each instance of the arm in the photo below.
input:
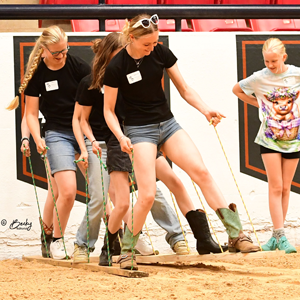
(78, 134)
(110, 99)
(191, 96)
(25, 132)
(32, 119)
(241, 95)
(86, 128)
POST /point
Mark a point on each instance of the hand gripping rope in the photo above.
(236, 184)
(87, 209)
(38, 205)
(134, 191)
(187, 245)
(207, 216)
(102, 165)
(49, 179)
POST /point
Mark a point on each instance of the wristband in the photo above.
(121, 138)
(93, 141)
(25, 138)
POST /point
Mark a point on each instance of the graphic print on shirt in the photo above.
(282, 118)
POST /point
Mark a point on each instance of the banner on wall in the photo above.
(80, 46)
(250, 60)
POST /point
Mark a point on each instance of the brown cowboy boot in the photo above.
(237, 240)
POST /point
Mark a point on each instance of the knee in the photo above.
(123, 207)
(200, 174)
(276, 189)
(147, 200)
(286, 189)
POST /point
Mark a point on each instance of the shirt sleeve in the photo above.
(82, 95)
(112, 75)
(169, 58)
(33, 88)
(248, 84)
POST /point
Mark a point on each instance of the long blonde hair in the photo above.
(138, 31)
(103, 50)
(51, 35)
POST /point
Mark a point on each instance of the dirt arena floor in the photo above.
(271, 278)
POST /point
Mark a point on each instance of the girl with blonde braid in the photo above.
(53, 80)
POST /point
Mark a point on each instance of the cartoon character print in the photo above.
(283, 119)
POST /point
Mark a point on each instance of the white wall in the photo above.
(208, 63)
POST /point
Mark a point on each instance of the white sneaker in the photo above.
(57, 250)
(143, 245)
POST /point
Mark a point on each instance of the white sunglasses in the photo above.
(146, 22)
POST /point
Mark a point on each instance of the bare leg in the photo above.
(174, 184)
(121, 188)
(289, 167)
(49, 204)
(273, 166)
(66, 184)
(183, 152)
(144, 168)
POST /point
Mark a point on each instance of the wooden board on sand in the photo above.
(226, 256)
(92, 266)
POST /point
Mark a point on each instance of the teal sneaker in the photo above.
(283, 244)
(271, 245)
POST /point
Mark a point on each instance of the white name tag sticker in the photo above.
(134, 77)
(51, 85)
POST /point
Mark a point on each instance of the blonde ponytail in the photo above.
(50, 35)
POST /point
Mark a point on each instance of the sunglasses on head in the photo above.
(146, 22)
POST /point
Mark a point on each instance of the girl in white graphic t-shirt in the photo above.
(276, 90)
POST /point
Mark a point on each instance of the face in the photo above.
(283, 106)
(145, 44)
(56, 58)
(274, 62)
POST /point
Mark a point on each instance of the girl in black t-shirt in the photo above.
(53, 79)
(137, 71)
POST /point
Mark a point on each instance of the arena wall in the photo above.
(208, 62)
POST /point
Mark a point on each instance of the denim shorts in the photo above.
(156, 134)
(291, 155)
(62, 149)
(117, 160)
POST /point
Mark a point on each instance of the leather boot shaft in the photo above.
(199, 225)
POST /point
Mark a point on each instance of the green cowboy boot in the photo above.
(237, 240)
(125, 259)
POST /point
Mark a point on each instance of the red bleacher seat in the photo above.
(287, 2)
(114, 25)
(246, 2)
(199, 2)
(275, 25)
(169, 25)
(220, 25)
(67, 2)
(85, 25)
(140, 2)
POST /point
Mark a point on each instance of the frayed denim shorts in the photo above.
(156, 134)
(62, 149)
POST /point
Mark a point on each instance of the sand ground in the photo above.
(267, 278)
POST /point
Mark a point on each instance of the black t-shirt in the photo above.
(145, 100)
(57, 91)
(94, 98)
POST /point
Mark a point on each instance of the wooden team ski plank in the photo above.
(115, 270)
(169, 258)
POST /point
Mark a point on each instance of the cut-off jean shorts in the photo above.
(156, 134)
(62, 149)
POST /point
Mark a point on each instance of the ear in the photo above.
(284, 57)
(131, 37)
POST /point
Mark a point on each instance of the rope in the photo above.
(132, 251)
(207, 216)
(37, 201)
(87, 210)
(48, 175)
(104, 203)
(237, 185)
(187, 245)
